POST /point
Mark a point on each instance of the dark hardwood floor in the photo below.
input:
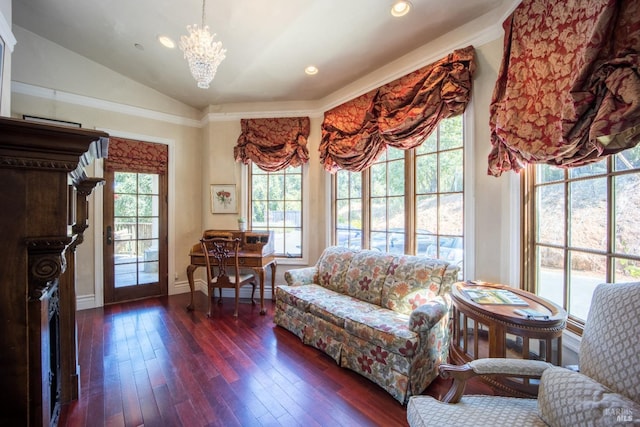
(152, 363)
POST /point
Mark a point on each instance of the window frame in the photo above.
(283, 258)
(410, 241)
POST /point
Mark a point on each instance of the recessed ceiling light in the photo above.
(311, 70)
(166, 42)
(400, 8)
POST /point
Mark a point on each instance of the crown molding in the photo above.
(482, 30)
(100, 104)
(263, 114)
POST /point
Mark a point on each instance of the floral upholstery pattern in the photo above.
(324, 336)
(367, 272)
(384, 328)
(332, 268)
(410, 283)
(337, 307)
(301, 276)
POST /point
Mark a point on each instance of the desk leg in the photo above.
(273, 280)
(190, 269)
(260, 272)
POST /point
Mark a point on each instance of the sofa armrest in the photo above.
(522, 368)
(301, 276)
(423, 318)
(510, 367)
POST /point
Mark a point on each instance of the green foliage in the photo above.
(276, 197)
(135, 194)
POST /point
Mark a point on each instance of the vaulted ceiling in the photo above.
(268, 42)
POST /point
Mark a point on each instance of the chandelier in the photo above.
(203, 54)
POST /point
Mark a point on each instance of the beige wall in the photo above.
(201, 152)
(495, 200)
(5, 60)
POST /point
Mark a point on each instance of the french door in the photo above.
(135, 235)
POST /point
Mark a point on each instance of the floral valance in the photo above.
(400, 114)
(568, 91)
(273, 144)
(128, 155)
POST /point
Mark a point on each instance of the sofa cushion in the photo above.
(569, 398)
(332, 267)
(412, 281)
(335, 307)
(302, 296)
(385, 328)
(366, 275)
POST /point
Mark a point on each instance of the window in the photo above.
(276, 205)
(387, 202)
(136, 217)
(583, 230)
(416, 193)
(348, 209)
(439, 166)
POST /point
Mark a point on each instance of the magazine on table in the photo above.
(494, 296)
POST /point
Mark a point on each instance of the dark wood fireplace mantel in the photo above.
(43, 213)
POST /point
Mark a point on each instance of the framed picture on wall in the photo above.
(46, 121)
(224, 198)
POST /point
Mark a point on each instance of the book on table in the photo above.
(494, 296)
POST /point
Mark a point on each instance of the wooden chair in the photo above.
(223, 269)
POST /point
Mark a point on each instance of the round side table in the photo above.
(481, 330)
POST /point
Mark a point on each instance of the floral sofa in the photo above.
(384, 316)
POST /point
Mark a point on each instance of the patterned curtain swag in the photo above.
(273, 144)
(128, 155)
(400, 114)
(568, 90)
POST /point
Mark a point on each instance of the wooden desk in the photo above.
(253, 259)
(485, 330)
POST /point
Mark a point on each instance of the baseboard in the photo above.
(86, 302)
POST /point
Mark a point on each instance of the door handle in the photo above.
(109, 235)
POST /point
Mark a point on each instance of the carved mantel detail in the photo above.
(46, 262)
(37, 163)
(84, 189)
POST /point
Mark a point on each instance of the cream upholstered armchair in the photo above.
(605, 392)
